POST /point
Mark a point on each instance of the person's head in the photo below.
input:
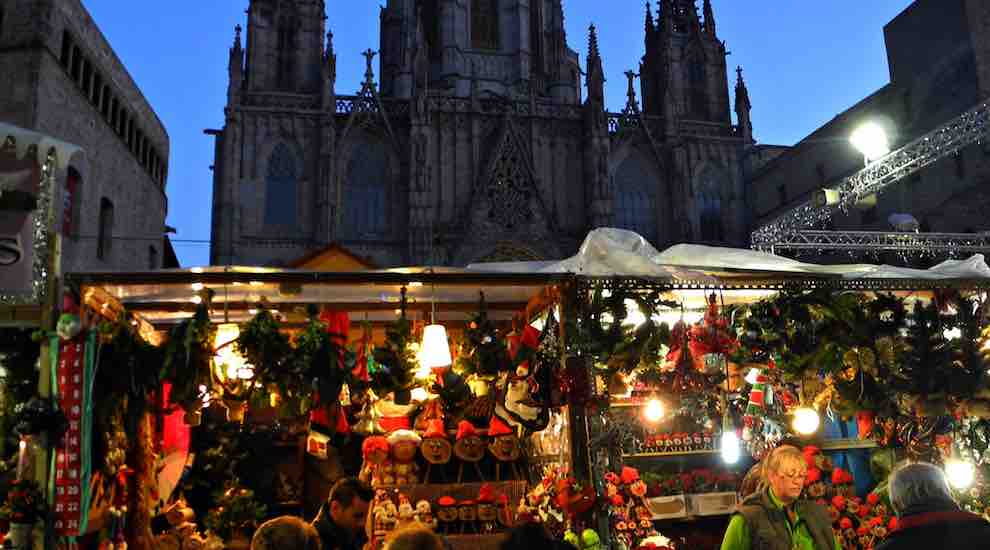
(916, 485)
(286, 533)
(526, 535)
(349, 501)
(784, 470)
(414, 538)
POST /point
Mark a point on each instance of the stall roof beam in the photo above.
(219, 306)
(970, 127)
(315, 277)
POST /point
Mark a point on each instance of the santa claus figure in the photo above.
(404, 445)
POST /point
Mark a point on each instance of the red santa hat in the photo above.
(486, 495)
(892, 526)
(466, 429)
(435, 430)
(404, 436)
(446, 502)
(498, 428)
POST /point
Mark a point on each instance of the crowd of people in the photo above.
(773, 516)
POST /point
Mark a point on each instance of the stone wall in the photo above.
(46, 98)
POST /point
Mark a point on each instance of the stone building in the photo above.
(479, 137)
(939, 58)
(62, 78)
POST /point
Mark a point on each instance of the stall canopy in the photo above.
(689, 271)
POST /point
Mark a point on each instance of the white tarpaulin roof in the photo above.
(617, 252)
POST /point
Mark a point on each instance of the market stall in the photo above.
(619, 397)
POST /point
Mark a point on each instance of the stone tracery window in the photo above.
(709, 197)
(484, 24)
(635, 198)
(280, 187)
(510, 189)
(286, 66)
(365, 193)
(697, 87)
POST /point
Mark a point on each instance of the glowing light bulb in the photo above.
(653, 411)
(871, 140)
(197, 286)
(806, 421)
(730, 447)
(961, 474)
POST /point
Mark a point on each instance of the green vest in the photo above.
(768, 524)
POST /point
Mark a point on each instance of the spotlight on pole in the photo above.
(870, 139)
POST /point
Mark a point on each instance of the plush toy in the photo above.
(424, 514)
(467, 514)
(384, 515)
(405, 511)
(487, 513)
(377, 468)
(504, 446)
(436, 449)
(470, 448)
(404, 444)
(447, 514)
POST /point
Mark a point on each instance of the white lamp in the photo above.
(435, 351)
(730, 441)
(653, 411)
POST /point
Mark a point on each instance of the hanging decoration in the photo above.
(188, 357)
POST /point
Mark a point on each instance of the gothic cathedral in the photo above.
(478, 138)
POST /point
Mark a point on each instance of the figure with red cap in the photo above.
(436, 449)
(447, 513)
(469, 448)
(504, 446)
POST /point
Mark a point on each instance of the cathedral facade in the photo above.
(480, 137)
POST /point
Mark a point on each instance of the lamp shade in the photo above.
(435, 351)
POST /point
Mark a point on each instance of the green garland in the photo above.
(188, 358)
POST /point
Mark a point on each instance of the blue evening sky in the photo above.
(804, 62)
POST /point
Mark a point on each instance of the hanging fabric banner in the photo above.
(72, 386)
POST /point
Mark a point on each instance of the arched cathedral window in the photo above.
(286, 66)
(280, 187)
(697, 87)
(635, 198)
(365, 193)
(709, 197)
(430, 16)
(484, 24)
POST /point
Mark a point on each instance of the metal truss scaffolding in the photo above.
(799, 229)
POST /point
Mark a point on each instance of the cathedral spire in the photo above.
(649, 21)
(330, 57)
(595, 73)
(235, 66)
(743, 107)
(709, 18)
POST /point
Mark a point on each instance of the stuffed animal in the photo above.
(404, 445)
(377, 468)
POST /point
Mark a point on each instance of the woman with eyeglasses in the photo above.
(775, 517)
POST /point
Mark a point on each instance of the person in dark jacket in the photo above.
(927, 516)
(342, 518)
